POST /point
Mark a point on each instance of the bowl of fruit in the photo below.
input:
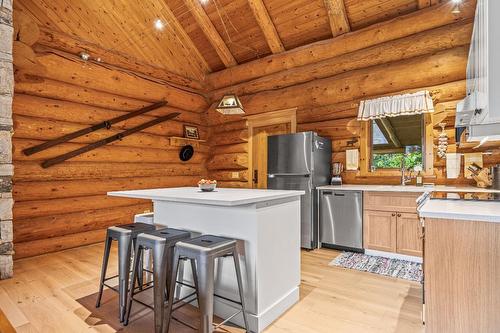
(206, 185)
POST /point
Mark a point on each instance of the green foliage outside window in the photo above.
(393, 160)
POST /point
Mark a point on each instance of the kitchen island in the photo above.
(266, 224)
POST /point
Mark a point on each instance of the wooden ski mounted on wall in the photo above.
(106, 124)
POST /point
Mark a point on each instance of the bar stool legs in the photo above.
(124, 248)
(236, 259)
(104, 267)
(205, 250)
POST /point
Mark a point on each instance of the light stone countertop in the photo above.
(407, 188)
(486, 211)
(219, 197)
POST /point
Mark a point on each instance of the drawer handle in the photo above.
(393, 214)
(399, 215)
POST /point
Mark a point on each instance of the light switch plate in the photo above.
(235, 175)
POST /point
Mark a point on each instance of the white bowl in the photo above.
(207, 187)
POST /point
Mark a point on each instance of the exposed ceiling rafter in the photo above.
(337, 16)
(186, 40)
(211, 33)
(266, 25)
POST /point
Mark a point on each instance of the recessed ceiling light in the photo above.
(159, 25)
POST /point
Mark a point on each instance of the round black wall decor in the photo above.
(186, 153)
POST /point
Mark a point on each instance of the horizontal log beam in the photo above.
(228, 138)
(111, 153)
(26, 191)
(228, 162)
(112, 81)
(399, 27)
(427, 42)
(72, 44)
(433, 69)
(44, 227)
(32, 171)
(34, 248)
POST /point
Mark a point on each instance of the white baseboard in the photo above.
(392, 255)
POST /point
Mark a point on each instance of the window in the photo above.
(395, 138)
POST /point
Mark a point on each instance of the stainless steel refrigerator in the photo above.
(301, 161)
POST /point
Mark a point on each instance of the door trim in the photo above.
(267, 119)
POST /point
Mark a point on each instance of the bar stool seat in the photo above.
(125, 235)
(205, 250)
(161, 243)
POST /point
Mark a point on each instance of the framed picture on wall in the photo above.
(191, 132)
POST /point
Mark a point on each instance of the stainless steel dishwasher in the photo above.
(341, 219)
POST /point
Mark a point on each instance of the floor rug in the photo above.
(379, 265)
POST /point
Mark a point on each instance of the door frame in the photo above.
(267, 119)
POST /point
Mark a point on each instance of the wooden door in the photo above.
(409, 230)
(379, 230)
(259, 151)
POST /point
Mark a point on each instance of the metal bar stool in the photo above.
(161, 242)
(125, 235)
(205, 250)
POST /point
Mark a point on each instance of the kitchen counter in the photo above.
(407, 188)
(472, 210)
(266, 225)
(219, 197)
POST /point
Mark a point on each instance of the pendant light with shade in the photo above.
(230, 104)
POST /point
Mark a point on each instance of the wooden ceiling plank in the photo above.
(267, 26)
(212, 34)
(186, 40)
(337, 16)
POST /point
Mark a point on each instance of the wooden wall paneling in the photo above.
(211, 33)
(234, 161)
(32, 171)
(37, 247)
(426, 42)
(396, 28)
(75, 71)
(368, 12)
(54, 109)
(266, 25)
(299, 22)
(437, 68)
(337, 16)
(72, 44)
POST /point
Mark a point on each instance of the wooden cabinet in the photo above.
(462, 276)
(379, 231)
(391, 223)
(408, 234)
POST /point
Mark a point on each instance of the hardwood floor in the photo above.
(42, 297)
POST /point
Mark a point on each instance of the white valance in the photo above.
(398, 105)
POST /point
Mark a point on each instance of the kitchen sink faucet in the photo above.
(405, 179)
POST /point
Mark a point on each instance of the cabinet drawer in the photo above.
(404, 202)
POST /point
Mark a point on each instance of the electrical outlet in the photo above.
(235, 175)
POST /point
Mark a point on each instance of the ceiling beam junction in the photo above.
(337, 16)
(266, 25)
(211, 32)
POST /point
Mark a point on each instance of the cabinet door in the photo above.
(379, 230)
(408, 239)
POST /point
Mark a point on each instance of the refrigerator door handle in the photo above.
(272, 175)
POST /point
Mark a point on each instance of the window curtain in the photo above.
(398, 105)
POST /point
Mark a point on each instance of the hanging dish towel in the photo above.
(352, 159)
(453, 161)
(470, 158)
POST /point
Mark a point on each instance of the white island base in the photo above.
(266, 224)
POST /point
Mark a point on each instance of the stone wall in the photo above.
(6, 168)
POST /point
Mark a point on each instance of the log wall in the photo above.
(327, 91)
(66, 205)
